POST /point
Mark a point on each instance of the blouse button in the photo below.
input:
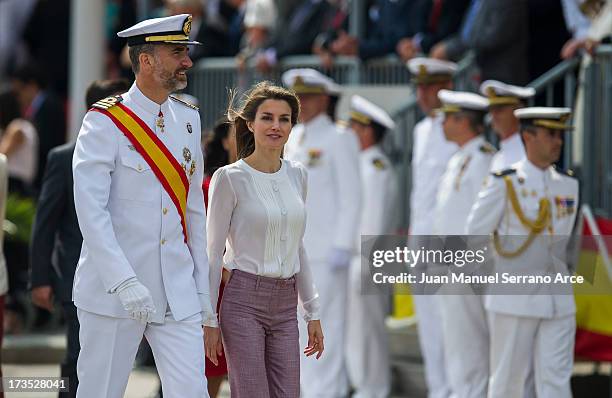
(284, 212)
(283, 238)
(275, 188)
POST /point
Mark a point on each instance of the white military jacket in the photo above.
(129, 223)
(459, 186)
(333, 204)
(430, 155)
(511, 150)
(493, 211)
(379, 192)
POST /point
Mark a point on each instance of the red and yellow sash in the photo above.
(167, 169)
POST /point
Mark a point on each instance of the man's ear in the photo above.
(146, 61)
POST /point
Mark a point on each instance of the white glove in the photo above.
(136, 300)
(339, 259)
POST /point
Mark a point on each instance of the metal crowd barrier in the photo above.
(211, 79)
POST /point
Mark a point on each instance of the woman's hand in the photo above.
(315, 339)
(212, 344)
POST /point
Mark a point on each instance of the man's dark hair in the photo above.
(100, 89)
(379, 131)
(475, 119)
(135, 51)
(527, 127)
(30, 74)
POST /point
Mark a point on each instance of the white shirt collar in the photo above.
(532, 169)
(473, 144)
(145, 102)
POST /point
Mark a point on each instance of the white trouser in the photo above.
(518, 340)
(429, 326)
(367, 342)
(108, 349)
(466, 343)
(327, 376)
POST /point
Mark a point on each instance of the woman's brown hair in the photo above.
(245, 141)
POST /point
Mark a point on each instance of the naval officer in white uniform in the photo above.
(143, 268)
(334, 208)
(531, 208)
(430, 154)
(367, 345)
(504, 99)
(464, 324)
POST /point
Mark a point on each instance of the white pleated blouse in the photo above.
(258, 219)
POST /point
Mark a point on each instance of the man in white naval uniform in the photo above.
(532, 210)
(504, 99)
(464, 325)
(142, 271)
(333, 206)
(367, 345)
(430, 154)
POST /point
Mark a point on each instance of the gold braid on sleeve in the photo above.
(535, 227)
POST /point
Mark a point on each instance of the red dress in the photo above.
(211, 370)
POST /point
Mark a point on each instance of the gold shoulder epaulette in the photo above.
(503, 173)
(185, 103)
(487, 148)
(108, 102)
(379, 164)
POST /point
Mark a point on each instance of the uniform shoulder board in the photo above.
(503, 173)
(185, 103)
(568, 172)
(379, 164)
(108, 102)
(487, 148)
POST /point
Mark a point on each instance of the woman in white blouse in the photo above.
(255, 227)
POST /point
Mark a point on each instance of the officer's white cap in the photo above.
(310, 81)
(430, 70)
(505, 94)
(456, 101)
(548, 117)
(365, 112)
(171, 30)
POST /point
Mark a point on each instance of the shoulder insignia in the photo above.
(185, 103)
(487, 148)
(503, 173)
(108, 102)
(568, 172)
(379, 164)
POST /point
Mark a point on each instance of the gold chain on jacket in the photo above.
(535, 227)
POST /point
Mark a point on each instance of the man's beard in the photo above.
(170, 80)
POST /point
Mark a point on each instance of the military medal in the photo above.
(314, 157)
(565, 206)
(189, 129)
(131, 147)
(159, 122)
(187, 154)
